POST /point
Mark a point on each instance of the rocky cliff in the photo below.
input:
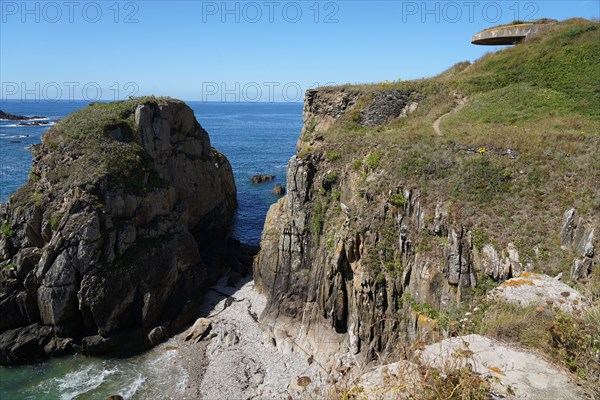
(119, 229)
(390, 228)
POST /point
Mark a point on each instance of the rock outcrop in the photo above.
(322, 108)
(262, 178)
(514, 373)
(531, 289)
(120, 228)
(322, 276)
(352, 274)
(13, 117)
(579, 236)
(511, 372)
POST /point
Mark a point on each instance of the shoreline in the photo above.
(232, 361)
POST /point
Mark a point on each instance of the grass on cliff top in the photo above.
(96, 142)
(523, 150)
(561, 61)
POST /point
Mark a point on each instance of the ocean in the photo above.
(257, 138)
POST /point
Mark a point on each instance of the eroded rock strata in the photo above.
(117, 233)
(347, 271)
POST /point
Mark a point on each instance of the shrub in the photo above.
(398, 200)
(373, 160)
(334, 155)
(480, 179)
(331, 177)
(5, 229)
(380, 278)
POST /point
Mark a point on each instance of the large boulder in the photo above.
(119, 230)
(513, 372)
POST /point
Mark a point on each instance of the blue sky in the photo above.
(240, 51)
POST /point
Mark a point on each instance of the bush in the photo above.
(373, 160)
(398, 200)
(5, 229)
(480, 179)
(334, 155)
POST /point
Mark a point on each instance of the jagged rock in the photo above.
(262, 178)
(227, 335)
(322, 108)
(459, 268)
(538, 289)
(581, 268)
(525, 374)
(158, 335)
(501, 268)
(199, 330)
(351, 275)
(36, 123)
(125, 239)
(278, 190)
(25, 344)
(57, 347)
(13, 117)
(579, 236)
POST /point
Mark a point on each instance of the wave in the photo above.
(28, 119)
(15, 136)
(51, 123)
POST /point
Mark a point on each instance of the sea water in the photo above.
(257, 138)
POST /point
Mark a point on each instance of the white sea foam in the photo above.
(51, 123)
(15, 136)
(133, 388)
(82, 381)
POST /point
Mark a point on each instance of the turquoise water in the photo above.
(153, 375)
(257, 138)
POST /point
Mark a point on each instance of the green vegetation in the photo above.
(398, 200)
(318, 216)
(6, 230)
(373, 160)
(9, 266)
(331, 178)
(334, 155)
(524, 148)
(103, 142)
(480, 179)
(54, 221)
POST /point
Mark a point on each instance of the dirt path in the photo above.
(459, 105)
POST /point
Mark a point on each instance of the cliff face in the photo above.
(358, 265)
(117, 233)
